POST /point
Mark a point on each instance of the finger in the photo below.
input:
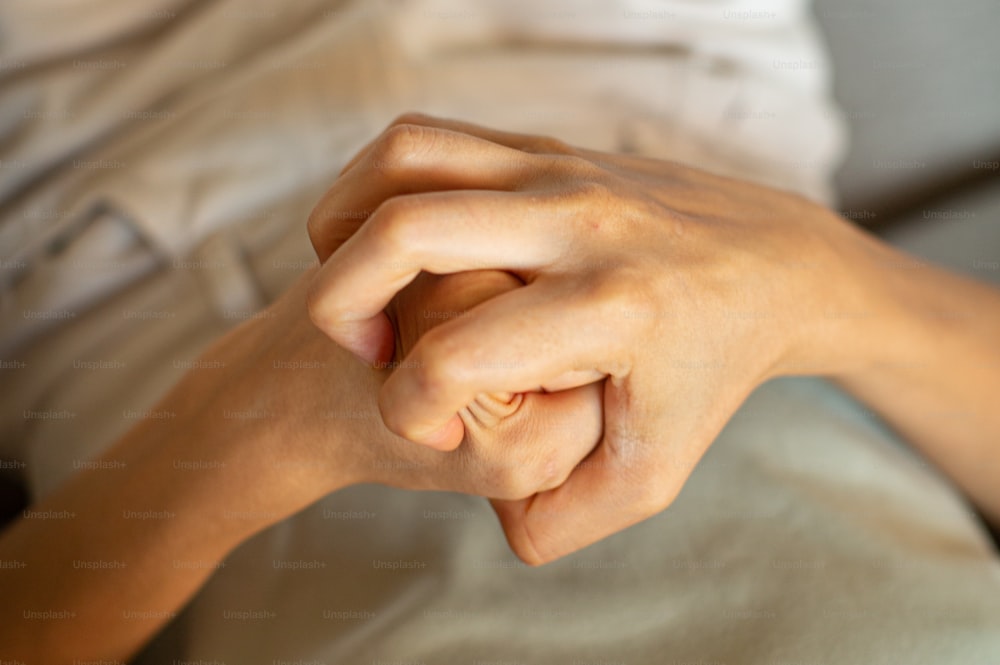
(524, 142)
(515, 342)
(430, 300)
(457, 293)
(535, 446)
(438, 232)
(405, 159)
(524, 446)
(625, 480)
(569, 379)
(547, 145)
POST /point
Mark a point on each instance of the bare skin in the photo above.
(684, 290)
(57, 608)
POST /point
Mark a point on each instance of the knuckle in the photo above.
(528, 553)
(551, 471)
(545, 457)
(655, 500)
(391, 419)
(531, 546)
(410, 118)
(394, 150)
(649, 494)
(314, 225)
(592, 189)
(593, 204)
(322, 231)
(390, 152)
(435, 370)
(431, 378)
(583, 168)
(321, 310)
(453, 351)
(624, 296)
(608, 294)
(634, 290)
(389, 227)
(514, 483)
(329, 228)
(593, 201)
(548, 145)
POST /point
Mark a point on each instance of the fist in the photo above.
(515, 444)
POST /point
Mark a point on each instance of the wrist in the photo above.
(855, 313)
(261, 435)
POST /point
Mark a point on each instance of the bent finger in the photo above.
(533, 143)
(407, 159)
(516, 342)
(625, 480)
(438, 232)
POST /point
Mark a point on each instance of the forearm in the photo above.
(922, 349)
(109, 558)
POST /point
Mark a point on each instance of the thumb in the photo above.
(535, 438)
(431, 300)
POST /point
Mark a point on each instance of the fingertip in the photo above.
(525, 550)
(383, 345)
(447, 437)
(373, 341)
(513, 520)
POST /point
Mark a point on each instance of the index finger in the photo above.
(526, 142)
(406, 159)
(437, 232)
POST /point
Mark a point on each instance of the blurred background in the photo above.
(919, 81)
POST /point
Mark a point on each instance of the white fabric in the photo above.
(159, 164)
(214, 112)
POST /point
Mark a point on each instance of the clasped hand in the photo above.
(673, 292)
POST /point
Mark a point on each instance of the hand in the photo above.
(684, 289)
(326, 433)
(276, 417)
